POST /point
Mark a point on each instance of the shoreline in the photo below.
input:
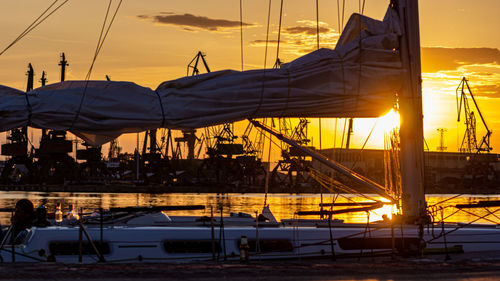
(208, 188)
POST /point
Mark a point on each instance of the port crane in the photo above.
(17, 148)
(292, 169)
(470, 143)
(479, 170)
(228, 162)
(193, 64)
(54, 165)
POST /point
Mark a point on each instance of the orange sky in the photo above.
(152, 41)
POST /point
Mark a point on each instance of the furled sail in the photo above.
(358, 78)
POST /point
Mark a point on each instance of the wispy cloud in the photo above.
(191, 22)
(443, 68)
(438, 58)
(308, 30)
(262, 42)
(301, 38)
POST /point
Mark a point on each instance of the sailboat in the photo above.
(374, 64)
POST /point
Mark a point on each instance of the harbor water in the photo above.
(283, 206)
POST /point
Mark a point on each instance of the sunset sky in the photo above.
(153, 41)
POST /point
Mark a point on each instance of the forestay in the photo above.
(359, 78)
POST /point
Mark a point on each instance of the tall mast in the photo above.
(63, 63)
(43, 80)
(410, 110)
(31, 75)
(29, 87)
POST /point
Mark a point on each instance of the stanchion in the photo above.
(212, 231)
(244, 249)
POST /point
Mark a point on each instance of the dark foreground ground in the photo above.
(434, 268)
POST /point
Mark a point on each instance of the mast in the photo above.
(63, 63)
(31, 77)
(410, 110)
(43, 80)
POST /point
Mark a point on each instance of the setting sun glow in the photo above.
(389, 121)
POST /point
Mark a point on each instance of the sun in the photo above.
(387, 210)
(389, 121)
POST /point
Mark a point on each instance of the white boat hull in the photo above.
(177, 244)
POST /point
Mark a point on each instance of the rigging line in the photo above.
(35, 24)
(363, 7)
(98, 50)
(343, 134)
(338, 16)
(109, 26)
(332, 185)
(96, 53)
(334, 139)
(323, 179)
(280, 130)
(334, 199)
(317, 47)
(266, 188)
(264, 70)
(25, 31)
(279, 34)
(343, 10)
(317, 24)
(269, 137)
(450, 215)
(241, 32)
(320, 137)
(488, 210)
(87, 77)
(364, 234)
(267, 33)
(103, 27)
(355, 202)
(364, 144)
(440, 202)
(467, 224)
(101, 38)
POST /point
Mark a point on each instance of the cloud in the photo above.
(301, 38)
(437, 58)
(308, 30)
(189, 21)
(444, 68)
(262, 42)
(491, 91)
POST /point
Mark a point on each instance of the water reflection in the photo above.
(282, 205)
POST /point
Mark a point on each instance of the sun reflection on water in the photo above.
(284, 206)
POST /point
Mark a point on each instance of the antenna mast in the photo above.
(63, 63)
(441, 146)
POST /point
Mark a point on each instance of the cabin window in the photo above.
(377, 243)
(190, 246)
(269, 245)
(68, 248)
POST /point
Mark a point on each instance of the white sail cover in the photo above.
(358, 78)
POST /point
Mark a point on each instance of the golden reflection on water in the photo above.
(283, 206)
